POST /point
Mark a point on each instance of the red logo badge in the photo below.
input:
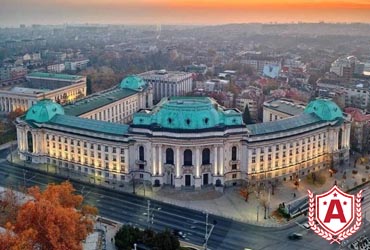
(334, 215)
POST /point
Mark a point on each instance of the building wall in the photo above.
(10, 101)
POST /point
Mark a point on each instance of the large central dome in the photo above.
(188, 113)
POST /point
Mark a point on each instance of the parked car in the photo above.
(295, 236)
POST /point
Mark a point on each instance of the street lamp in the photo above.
(133, 182)
(206, 235)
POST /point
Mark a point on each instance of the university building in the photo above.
(60, 88)
(185, 142)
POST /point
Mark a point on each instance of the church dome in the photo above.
(44, 111)
(326, 109)
(132, 82)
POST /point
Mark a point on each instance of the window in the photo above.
(261, 158)
(169, 156)
(106, 148)
(188, 157)
(253, 159)
(122, 150)
(234, 153)
(206, 155)
(141, 153)
(114, 150)
(99, 147)
(234, 176)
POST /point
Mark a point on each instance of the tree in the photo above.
(166, 241)
(247, 119)
(14, 114)
(54, 219)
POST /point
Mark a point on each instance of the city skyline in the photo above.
(201, 12)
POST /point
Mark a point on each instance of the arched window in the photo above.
(188, 157)
(206, 156)
(141, 153)
(233, 153)
(30, 142)
(169, 156)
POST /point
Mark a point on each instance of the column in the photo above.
(221, 166)
(197, 162)
(34, 144)
(215, 158)
(154, 167)
(177, 162)
(160, 160)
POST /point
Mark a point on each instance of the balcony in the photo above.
(140, 162)
(237, 162)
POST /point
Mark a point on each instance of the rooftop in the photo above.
(164, 75)
(44, 111)
(97, 100)
(23, 90)
(89, 124)
(326, 109)
(296, 122)
(188, 113)
(55, 76)
(286, 106)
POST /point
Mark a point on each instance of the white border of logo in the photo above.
(327, 235)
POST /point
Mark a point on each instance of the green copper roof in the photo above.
(188, 113)
(44, 111)
(55, 76)
(326, 109)
(132, 82)
(294, 122)
(97, 100)
(89, 125)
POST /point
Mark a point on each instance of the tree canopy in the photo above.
(54, 219)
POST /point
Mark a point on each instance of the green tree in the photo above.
(247, 119)
(166, 241)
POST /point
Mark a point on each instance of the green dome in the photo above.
(132, 82)
(188, 113)
(44, 111)
(326, 109)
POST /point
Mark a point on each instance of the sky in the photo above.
(15, 12)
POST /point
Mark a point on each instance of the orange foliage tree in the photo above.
(54, 219)
(244, 193)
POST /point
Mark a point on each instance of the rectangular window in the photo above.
(122, 151)
(114, 150)
(234, 176)
(261, 158)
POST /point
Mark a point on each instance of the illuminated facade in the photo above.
(60, 88)
(186, 141)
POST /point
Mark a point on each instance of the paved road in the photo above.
(127, 208)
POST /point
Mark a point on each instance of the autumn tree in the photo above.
(14, 114)
(54, 219)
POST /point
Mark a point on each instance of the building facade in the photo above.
(45, 86)
(168, 83)
(186, 142)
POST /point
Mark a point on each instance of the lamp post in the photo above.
(206, 235)
(133, 182)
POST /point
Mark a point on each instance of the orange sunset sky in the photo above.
(14, 12)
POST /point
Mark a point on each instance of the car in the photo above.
(295, 236)
(178, 233)
(306, 225)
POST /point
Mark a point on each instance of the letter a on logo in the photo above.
(335, 204)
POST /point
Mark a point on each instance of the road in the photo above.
(128, 208)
